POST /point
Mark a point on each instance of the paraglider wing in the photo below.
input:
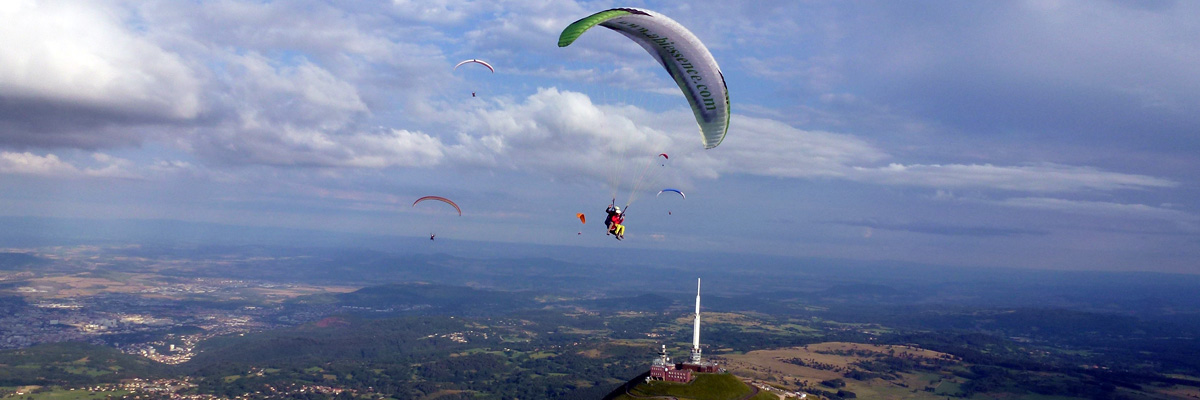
(664, 155)
(672, 190)
(441, 199)
(582, 219)
(688, 62)
(480, 62)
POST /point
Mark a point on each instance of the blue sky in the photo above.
(1033, 134)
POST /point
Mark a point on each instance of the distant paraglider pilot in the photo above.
(475, 61)
(441, 199)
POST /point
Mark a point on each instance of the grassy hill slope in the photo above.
(703, 387)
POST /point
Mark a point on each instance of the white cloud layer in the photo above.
(766, 147)
(1101, 208)
(314, 108)
(1029, 178)
(317, 105)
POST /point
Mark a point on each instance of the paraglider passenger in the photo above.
(618, 229)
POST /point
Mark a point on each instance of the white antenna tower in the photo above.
(695, 358)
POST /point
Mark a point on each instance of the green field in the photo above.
(57, 393)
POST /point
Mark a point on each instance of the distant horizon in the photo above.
(172, 233)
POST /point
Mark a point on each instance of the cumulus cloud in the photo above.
(306, 85)
(303, 93)
(303, 115)
(565, 134)
(74, 65)
(51, 165)
(201, 76)
(560, 133)
(32, 164)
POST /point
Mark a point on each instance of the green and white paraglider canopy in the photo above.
(680, 52)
